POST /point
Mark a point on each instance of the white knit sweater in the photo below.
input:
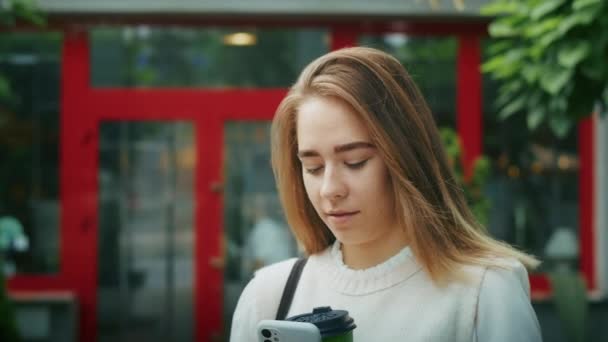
(397, 301)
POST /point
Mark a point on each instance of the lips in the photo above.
(338, 218)
(341, 213)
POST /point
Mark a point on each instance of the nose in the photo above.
(334, 187)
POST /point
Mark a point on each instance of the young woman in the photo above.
(367, 190)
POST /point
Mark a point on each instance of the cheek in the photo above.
(382, 187)
(309, 187)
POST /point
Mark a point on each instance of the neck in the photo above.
(369, 254)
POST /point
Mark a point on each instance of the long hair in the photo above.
(429, 204)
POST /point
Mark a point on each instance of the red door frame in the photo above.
(84, 107)
(208, 110)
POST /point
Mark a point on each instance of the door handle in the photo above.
(217, 262)
(217, 186)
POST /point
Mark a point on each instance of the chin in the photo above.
(348, 239)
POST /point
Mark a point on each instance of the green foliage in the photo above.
(10, 14)
(474, 185)
(550, 58)
(24, 10)
(570, 298)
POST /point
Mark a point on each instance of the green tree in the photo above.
(14, 12)
(472, 186)
(550, 59)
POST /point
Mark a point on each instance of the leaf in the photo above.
(28, 11)
(493, 64)
(508, 91)
(481, 169)
(499, 8)
(505, 27)
(557, 104)
(566, 24)
(585, 16)
(549, 38)
(535, 117)
(505, 64)
(535, 99)
(498, 47)
(531, 72)
(536, 52)
(560, 125)
(543, 27)
(512, 108)
(544, 8)
(554, 79)
(573, 53)
(578, 4)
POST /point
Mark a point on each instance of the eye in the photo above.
(313, 170)
(356, 165)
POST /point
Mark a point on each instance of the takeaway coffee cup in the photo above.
(334, 325)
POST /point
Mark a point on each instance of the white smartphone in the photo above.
(287, 331)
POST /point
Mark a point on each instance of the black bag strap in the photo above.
(290, 288)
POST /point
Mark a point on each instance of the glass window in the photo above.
(533, 185)
(146, 231)
(431, 61)
(29, 145)
(213, 57)
(256, 233)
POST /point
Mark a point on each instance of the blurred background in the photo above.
(136, 194)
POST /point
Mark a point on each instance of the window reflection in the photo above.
(145, 56)
(255, 230)
(29, 133)
(146, 231)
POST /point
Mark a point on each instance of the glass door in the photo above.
(146, 231)
(255, 231)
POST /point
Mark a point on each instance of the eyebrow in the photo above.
(338, 149)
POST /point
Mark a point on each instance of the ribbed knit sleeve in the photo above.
(245, 318)
(504, 312)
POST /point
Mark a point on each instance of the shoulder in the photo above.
(267, 286)
(507, 276)
(260, 299)
(504, 310)
(273, 271)
(498, 274)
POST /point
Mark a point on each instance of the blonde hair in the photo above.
(441, 229)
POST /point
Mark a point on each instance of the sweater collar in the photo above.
(389, 273)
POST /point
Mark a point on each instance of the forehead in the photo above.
(328, 121)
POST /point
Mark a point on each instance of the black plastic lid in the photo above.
(330, 322)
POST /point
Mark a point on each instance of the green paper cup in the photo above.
(334, 325)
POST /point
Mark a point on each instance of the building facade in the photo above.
(135, 154)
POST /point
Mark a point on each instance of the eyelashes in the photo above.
(313, 171)
(352, 166)
(357, 165)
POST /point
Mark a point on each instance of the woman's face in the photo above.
(344, 175)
